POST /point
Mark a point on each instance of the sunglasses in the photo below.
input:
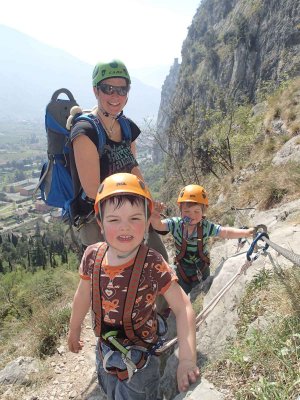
(110, 89)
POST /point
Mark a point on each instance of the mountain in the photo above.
(31, 71)
(234, 49)
(230, 104)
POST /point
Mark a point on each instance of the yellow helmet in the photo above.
(121, 184)
(193, 194)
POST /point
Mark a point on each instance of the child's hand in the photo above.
(74, 342)
(249, 232)
(158, 206)
(187, 373)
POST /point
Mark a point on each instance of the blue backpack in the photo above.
(55, 183)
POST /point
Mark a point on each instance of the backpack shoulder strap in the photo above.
(125, 127)
(94, 121)
(96, 292)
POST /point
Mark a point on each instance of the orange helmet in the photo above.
(193, 194)
(119, 184)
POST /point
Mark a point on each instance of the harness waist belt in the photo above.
(191, 278)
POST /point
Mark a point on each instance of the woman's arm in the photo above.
(87, 164)
(133, 149)
(135, 170)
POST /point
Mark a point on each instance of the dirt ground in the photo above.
(64, 375)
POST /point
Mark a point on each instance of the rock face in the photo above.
(18, 371)
(242, 43)
(234, 47)
(164, 116)
(290, 151)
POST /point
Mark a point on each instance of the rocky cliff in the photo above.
(163, 118)
(236, 47)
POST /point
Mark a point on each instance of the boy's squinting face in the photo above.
(124, 226)
(194, 212)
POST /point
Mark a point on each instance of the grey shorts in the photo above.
(142, 386)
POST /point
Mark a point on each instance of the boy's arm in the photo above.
(187, 371)
(80, 307)
(156, 221)
(235, 233)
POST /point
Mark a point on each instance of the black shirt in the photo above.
(116, 157)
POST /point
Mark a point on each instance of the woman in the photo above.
(111, 85)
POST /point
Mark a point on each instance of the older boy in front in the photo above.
(125, 275)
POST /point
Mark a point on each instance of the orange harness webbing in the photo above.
(183, 247)
(129, 303)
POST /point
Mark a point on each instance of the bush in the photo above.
(273, 196)
(33, 311)
(47, 286)
(49, 329)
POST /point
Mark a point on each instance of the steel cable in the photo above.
(293, 257)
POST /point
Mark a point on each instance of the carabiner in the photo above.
(253, 244)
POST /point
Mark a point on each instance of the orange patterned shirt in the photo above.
(156, 278)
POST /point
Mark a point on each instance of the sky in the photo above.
(145, 34)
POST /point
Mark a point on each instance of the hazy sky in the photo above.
(143, 33)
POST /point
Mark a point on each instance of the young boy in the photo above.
(191, 232)
(121, 278)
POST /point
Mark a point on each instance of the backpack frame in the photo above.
(55, 183)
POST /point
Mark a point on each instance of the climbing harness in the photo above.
(112, 338)
(126, 352)
(162, 345)
(182, 251)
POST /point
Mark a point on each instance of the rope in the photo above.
(210, 306)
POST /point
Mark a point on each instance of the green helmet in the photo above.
(113, 69)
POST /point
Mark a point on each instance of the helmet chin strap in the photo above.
(118, 255)
(146, 234)
(128, 254)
